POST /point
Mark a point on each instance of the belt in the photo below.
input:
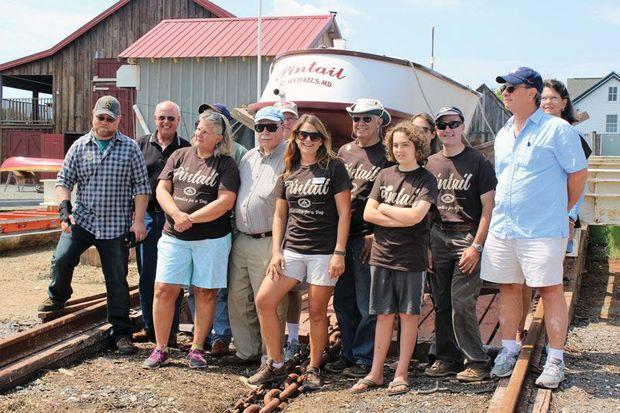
(457, 227)
(261, 235)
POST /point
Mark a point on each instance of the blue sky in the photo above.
(475, 39)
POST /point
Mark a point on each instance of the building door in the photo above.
(52, 147)
(104, 83)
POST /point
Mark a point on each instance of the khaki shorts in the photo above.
(536, 262)
(311, 268)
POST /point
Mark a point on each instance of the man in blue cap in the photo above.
(251, 250)
(541, 172)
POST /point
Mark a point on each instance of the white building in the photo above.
(599, 97)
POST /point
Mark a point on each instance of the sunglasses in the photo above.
(168, 118)
(452, 125)
(108, 119)
(271, 127)
(366, 119)
(424, 129)
(511, 88)
(303, 135)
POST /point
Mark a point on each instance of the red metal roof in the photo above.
(230, 37)
(211, 7)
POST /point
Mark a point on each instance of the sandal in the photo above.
(392, 387)
(368, 385)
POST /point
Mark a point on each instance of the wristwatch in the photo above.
(477, 247)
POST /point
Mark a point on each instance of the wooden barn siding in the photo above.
(496, 114)
(190, 82)
(73, 66)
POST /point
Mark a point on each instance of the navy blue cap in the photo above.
(522, 75)
(216, 107)
(449, 110)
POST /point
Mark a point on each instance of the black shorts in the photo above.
(396, 292)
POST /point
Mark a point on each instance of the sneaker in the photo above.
(157, 359)
(125, 345)
(292, 348)
(552, 375)
(266, 373)
(338, 365)
(313, 380)
(219, 348)
(51, 305)
(441, 368)
(357, 371)
(196, 359)
(473, 374)
(504, 363)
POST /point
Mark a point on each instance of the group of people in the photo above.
(370, 225)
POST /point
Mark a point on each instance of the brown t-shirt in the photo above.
(195, 183)
(312, 225)
(363, 165)
(402, 248)
(461, 179)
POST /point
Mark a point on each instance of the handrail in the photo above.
(27, 111)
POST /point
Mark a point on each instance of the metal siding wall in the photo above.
(190, 83)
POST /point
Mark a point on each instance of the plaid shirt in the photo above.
(107, 183)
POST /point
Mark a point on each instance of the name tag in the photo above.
(318, 181)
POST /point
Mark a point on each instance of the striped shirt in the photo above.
(256, 199)
(106, 183)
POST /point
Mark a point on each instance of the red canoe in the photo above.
(22, 163)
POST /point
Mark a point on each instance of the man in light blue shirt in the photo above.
(541, 172)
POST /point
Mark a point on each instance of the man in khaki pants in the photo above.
(251, 250)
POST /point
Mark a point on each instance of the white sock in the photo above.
(553, 353)
(293, 332)
(511, 346)
(277, 365)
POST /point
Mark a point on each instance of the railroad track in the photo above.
(72, 333)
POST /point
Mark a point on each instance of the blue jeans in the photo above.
(221, 325)
(146, 258)
(114, 256)
(351, 301)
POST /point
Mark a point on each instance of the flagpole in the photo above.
(258, 53)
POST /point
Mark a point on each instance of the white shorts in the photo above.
(308, 267)
(537, 262)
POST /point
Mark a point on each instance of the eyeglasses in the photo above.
(452, 125)
(552, 99)
(303, 135)
(366, 119)
(424, 129)
(168, 118)
(271, 127)
(511, 88)
(107, 119)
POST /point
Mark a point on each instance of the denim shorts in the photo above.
(202, 263)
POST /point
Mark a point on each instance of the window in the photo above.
(611, 124)
(613, 94)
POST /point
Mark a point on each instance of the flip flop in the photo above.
(397, 383)
(370, 384)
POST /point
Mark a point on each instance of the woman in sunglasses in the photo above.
(310, 229)
(397, 205)
(197, 189)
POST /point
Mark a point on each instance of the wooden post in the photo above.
(35, 105)
(1, 111)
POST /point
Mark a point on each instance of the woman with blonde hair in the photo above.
(400, 198)
(310, 230)
(197, 189)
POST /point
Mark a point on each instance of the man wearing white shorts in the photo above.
(537, 157)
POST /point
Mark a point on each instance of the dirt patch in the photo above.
(24, 277)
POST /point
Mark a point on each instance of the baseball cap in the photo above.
(285, 106)
(269, 113)
(523, 75)
(449, 110)
(108, 105)
(216, 107)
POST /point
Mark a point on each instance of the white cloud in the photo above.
(606, 12)
(347, 14)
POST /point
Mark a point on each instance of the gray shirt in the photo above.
(256, 199)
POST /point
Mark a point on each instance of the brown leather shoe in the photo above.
(143, 336)
(473, 374)
(219, 348)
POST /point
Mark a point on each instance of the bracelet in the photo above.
(341, 253)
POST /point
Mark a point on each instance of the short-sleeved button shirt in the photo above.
(196, 183)
(309, 190)
(532, 171)
(107, 181)
(402, 248)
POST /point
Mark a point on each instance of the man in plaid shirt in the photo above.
(110, 174)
